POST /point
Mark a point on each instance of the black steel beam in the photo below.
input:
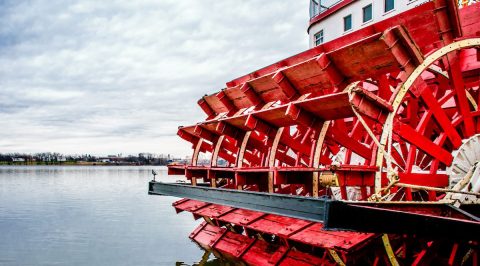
(432, 221)
(445, 221)
(306, 208)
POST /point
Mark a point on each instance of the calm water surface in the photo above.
(90, 215)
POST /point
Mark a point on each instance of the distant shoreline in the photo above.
(73, 164)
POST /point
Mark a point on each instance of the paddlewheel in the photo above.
(378, 131)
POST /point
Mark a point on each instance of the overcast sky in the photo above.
(109, 77)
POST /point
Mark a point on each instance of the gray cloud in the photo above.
(121, 76)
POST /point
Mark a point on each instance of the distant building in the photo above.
(146, 155)
(18, 159)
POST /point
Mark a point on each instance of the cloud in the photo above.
(121, 76)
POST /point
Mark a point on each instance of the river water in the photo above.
(91, 215)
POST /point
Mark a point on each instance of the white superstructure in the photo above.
(331, 19)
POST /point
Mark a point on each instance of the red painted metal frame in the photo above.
(270, 122)
(291, 128)
(290, 233)
(251, 251)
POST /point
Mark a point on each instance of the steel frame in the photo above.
(434, 220)
(307, 208)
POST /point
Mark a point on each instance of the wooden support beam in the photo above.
(295, 144)
(187, 136)
(300, 116)
(206, 147)
(227, 156)
(213, 135)
(285, 85)
(203, 133)
(446, 13)
(341, 137)
(458, 84)
(251, 94)
(227, 103)
(226, 129)
(442, 118)
(424, 179)
(370, 104)
(254, 123)
(206, 107)
(403, 48)
(274, 148)
(216, 150)
(337, 79)
(283, 157)
(243, 147)
(383, 84)
(196, 152)
(421, 142)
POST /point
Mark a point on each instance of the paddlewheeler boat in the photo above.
(363, 150)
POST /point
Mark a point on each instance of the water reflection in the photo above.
(210, 258)
(92, 215)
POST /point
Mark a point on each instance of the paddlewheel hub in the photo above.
(464, 158)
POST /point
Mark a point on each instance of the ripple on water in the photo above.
(53, 215)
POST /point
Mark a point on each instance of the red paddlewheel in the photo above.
(239, 247)
(386, 113)
(253, 237)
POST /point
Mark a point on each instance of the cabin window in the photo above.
(347, 23)
(318, 38)
(389, 5)
(367, 13)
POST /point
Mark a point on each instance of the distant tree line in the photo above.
(52, 158)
